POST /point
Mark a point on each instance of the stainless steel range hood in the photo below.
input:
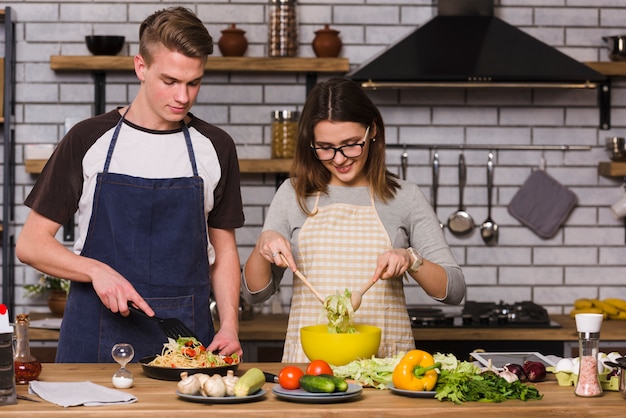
(465, 45)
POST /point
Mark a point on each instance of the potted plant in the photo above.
(55, 288)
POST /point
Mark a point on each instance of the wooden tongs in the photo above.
(304, 280)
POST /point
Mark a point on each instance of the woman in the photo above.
(343, 219)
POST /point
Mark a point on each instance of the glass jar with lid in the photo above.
(284, 133)
(283, 28)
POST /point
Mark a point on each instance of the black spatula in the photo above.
(172, 327)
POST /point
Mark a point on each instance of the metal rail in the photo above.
(494, 147)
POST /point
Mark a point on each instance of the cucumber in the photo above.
(340, 384)
(316, 384)
(249, 383)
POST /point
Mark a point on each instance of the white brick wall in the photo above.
(587, 258)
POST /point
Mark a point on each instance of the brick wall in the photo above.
(587, 258)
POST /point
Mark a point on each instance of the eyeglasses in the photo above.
(348, 151)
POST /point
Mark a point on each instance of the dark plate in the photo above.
(299, 395)
(225, 399)
(171, 373)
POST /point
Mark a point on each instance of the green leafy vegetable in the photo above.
(339, 312)
(462, 382)
(374, 372)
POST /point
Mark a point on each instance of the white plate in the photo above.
(499, 360)
(411, 393)
(299, 395)
(225, 399)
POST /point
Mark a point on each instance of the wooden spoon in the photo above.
(355, 299)
(305, 281)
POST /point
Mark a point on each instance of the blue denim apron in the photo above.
(154, 233)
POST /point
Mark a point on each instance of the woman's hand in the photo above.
(271, 245)
(392, 263)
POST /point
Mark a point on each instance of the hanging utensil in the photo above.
(489, 229)
(404, 161)
(435, 188)
(460, 222)
(304, 280)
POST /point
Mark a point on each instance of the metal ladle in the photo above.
(461, 222)
(435, 189)
(489, 229)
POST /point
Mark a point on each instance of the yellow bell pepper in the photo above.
(416, 371)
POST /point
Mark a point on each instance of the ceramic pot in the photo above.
(233, 42)
(327, 43)
(56, 302)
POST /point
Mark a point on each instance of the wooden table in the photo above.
(157, 398)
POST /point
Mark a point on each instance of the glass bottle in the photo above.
(27, 367)
(284, 133)
(283, 28)
(588, 327)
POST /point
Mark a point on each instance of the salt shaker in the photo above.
(588, 327)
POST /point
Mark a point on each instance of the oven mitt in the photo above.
(542, 204)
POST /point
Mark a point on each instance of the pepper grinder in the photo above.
(588, 327)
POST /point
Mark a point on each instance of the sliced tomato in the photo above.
(189, 352)
(289, 377)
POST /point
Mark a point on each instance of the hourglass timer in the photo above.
(122, 353)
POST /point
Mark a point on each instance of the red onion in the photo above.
(535, 371)
(516, 369)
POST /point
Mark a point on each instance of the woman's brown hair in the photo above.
(178, 29)
(339, 100)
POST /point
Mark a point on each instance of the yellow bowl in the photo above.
(339, 349)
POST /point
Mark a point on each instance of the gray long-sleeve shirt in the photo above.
(408, 218)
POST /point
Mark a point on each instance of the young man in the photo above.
(158, 197)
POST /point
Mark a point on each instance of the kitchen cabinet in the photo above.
(158, 398)
(7, 106)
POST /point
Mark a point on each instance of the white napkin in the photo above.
(79, 393)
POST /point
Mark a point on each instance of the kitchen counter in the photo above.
(274, 328)
(158, 398)
(263, 336)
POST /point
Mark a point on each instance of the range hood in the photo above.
(465, 45)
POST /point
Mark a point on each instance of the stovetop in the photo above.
(485, 315)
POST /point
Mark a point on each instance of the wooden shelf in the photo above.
(239, 64)
(274, 165)
(609, 68)
(612, 169)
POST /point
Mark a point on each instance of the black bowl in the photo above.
(104, 45)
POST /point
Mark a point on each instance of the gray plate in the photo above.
(412, 393)
(224, 399)
(302, 396)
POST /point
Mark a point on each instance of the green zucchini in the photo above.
(249, 383)
(316, 384)
(340, 384)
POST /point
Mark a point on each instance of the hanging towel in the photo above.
(542, 204)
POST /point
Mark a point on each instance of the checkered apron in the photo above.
(338, 249)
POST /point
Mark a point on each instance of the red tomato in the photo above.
(289, 377)
(317, 367)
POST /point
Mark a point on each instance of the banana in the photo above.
(620, 315)
(583, 304)
(618, 303)
(606, 308)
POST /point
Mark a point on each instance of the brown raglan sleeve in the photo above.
(58, 188)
